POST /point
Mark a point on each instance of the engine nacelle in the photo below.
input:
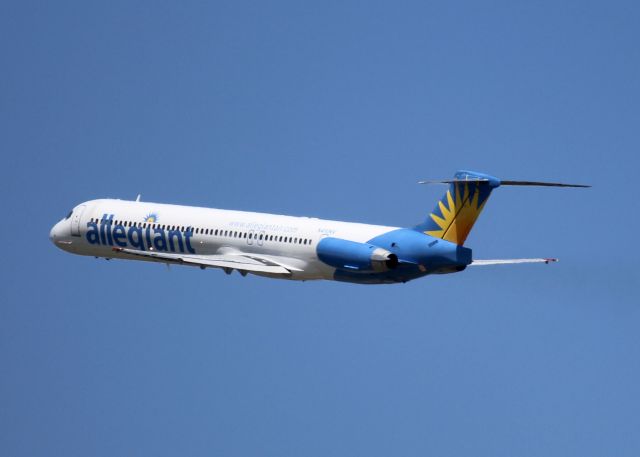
(356, 256)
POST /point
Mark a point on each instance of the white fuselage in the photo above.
(99, 227)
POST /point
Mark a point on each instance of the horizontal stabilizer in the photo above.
(510, 261)
(505, 183)
(450, 181)
(539, 183)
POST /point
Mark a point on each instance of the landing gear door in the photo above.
(75, 220)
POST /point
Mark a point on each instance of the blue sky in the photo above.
(334, 110)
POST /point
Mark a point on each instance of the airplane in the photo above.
(287, 247)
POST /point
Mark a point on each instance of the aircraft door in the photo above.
(75, 220)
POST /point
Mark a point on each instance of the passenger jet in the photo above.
(298, 248)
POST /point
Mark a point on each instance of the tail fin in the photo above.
(457, 211)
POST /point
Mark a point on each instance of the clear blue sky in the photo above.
(334, 110)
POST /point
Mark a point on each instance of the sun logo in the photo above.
(458, 212)
(151, 217)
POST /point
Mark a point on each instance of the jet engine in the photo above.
(352, 255)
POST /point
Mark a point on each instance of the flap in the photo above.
(236, 262)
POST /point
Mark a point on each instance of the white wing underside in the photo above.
(242, 262)
(510, 261)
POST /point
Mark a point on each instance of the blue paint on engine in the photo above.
(345, 254)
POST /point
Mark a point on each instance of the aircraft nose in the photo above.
(52, 234)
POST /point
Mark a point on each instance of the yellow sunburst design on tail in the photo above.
(458, 214)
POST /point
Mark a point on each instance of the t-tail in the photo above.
(459, 208)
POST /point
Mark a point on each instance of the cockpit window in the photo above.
(69, 215)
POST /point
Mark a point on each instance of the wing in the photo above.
(509, 261)
(242, 262)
